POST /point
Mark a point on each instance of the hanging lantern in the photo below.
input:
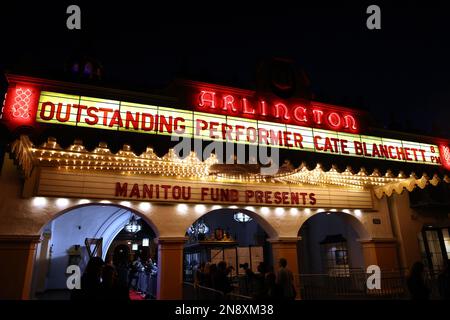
(133, 225)
(202, 228)
(242, 217)
(198, 228)
(191, 230)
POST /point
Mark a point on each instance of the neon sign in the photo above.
(20, 105)
(223, 117)
(315, 115)
(445, 155)
(80, 111)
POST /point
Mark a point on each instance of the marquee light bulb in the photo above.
(62, 202)
(145, 206)
(39, 201)
(182, 208)
(279, 212)
(200, 208)
(125, 203)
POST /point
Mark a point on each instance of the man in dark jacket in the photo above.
(285, 280)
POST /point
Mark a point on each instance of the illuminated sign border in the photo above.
(82, 111)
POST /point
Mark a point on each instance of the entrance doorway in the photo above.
(435, 248)
(331, 260)
(115, 234)
(230, 237)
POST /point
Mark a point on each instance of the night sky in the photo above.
(401, 73)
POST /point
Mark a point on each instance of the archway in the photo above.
(331, 260)
(75, 235)
(324, 229)
(235, 236)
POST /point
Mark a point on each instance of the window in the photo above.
(334, 254)
(341, 257)
(434, 245)
(435, 251)
(446, 236)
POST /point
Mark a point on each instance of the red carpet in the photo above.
(135, 296)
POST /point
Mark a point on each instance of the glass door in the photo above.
(435, 247)
(446, 238)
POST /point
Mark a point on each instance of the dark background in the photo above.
(399, 73)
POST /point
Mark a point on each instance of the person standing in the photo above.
(122, 272)
(136, 269)
(444, 282)
(111, 288)
(199, 275)
(285, 280)
(90, 281)
(259, 282)
(272, 289)
(416, 284)
(221, 281)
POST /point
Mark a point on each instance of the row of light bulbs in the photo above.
(319, 177)
(184, 208)
(101, 158)
(162, 167)
(64, 203)
(125, 161)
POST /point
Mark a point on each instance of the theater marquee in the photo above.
(222, 117)
(91, 112)
(65, 183)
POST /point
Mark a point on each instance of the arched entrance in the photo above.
(79, 233)
(331, 258)
(235, 236)
(328, 230)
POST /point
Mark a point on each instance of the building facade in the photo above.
(72, 147)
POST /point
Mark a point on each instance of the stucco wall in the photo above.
(408, 223)
(28, 216)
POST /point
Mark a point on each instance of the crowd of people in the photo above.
(105, 281)
(263, 284)
(139, 274)
(100, 281)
